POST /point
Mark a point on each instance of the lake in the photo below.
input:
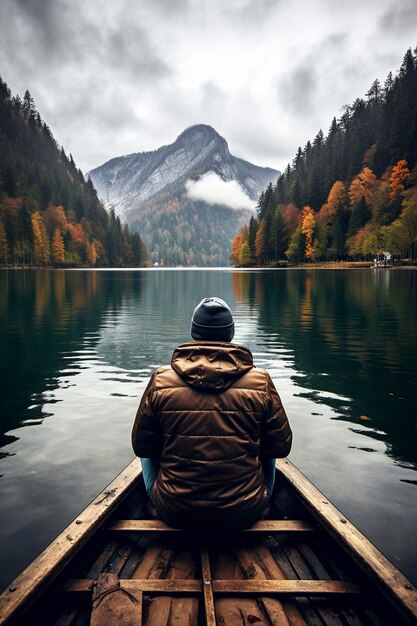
(77, 348)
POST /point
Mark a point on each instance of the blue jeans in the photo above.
(268, 466)
(150, 469)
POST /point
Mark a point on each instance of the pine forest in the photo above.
(49, 214)
(350, 195)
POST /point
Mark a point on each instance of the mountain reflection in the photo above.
(353, 335)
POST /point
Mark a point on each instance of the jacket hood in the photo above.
(210, 365)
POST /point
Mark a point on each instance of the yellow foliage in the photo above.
(307, 228)
(91, 254)
(58, 248)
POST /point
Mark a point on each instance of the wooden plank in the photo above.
(393, 584)
(286, 587)
(147, 585)
(113, 605)
(236, 611)
(184, 564)
(329, 615)
(27, 587)
(263, 526)
(256, 562)
(207, 588)
(225, 587)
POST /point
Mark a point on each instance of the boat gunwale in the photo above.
(24, 590)
(29, 585)
(388, 579)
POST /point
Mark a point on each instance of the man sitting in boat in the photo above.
(209, 428)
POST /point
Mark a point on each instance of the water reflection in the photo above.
(79, 347)
(50, 319)
(353, 336)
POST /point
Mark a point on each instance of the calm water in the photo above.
(77, 348)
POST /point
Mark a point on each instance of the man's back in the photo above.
(210, 417)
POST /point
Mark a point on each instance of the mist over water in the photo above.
(77, 349)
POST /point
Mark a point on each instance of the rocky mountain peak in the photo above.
(200, 133)
(147, 187)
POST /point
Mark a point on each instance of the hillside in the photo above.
(351, 194)
(151, 192)
(49, 214)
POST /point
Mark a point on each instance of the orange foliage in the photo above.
(77, 234)
(260, 240)
(91, 254)
(363, 186)
(337, 197)
(54, 218)
(238, 241)
(399, 176)
(291, 216)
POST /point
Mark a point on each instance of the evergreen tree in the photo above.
(41, 189)
(373, 148)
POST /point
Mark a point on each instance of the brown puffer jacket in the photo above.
(210, 417)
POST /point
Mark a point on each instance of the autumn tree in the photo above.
(38, 252)
(55, 218)
(58, 248)
(236, 244)
(308, 223)
(398, 179)
(244, 255)
(362, 186)
(91, 254)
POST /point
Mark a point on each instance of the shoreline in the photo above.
(331, 265)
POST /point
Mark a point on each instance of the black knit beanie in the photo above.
(212, 320)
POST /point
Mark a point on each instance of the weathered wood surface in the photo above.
(394, 585)
(285, 572)
(113, 605)
(207, 588)
(263, 526)
(228, 587)
(43, 570)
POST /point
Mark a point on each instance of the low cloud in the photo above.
(214, 190)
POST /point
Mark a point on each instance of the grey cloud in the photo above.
(129, 49)
(252, 10)
(400, 18)
(256, 144)
(40, 11)
(296, 90)
(62, 33)
(171, 7)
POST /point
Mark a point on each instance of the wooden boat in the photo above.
(305, 564)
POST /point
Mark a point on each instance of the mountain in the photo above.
(49, 214)
(151, 192)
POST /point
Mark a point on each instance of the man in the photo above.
(209, 427)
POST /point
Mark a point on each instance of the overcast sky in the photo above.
(112, 77)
